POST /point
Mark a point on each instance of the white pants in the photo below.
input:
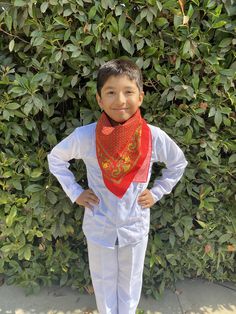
(117, 276)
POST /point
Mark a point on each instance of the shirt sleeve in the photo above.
(168, 152)
(58, 161)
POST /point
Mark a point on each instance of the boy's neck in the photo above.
(114, 123)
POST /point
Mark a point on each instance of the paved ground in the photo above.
(191, 297)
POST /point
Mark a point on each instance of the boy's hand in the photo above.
(87, 199)
(145, 199)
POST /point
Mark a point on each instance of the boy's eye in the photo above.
(110, 93)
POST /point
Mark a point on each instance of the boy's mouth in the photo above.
(120, 109)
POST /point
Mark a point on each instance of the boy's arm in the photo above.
(168, 152)
(58, 161)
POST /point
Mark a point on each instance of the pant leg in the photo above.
(130, 276)
(103, 269)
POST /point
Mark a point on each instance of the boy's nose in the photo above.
(121, 98)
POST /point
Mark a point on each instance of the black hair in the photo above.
(117, 67)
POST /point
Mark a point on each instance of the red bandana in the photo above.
(123, 152)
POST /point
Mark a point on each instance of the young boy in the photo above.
(118, 152)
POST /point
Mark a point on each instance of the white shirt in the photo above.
(115, 217)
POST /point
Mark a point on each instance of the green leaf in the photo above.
(27, 253)
(51, 138)
(36, 173)
(228, 72)
(7, 248)
(39, 234)
(74, 80)
(143, 13)
(162, 80)
(114, 24)
(159, 5)
(212, 112)
(226, 121)
(92, 12)
(190, 11)
(43, 7)
(218, 24)
(60, 92)
(161, 21)
(28, 107)
(186, 47)
(38, 41)
(17, 184)
(87, 40)
(179, 231)
(118, 10)
(33, 188)
(232, 159)
(126, 44)
(152, 2)
(121, 23)
(152, 261)
(105, 4)
(58, 56)
(38, 102)
(218, 118)
(202, 224)
(52, 197)
(225, 237)
(61, 21)
(67, 34)
(171, 259)
(8, 21)
(225, 42)
(178, 21)
(186, 234)
(11, 216)
(140, 44)
(149, 17)
(230, 8)
(67, 12)
(172, 239)
(150, 51)
(170, 96)
(13, 106)
(63, 279)
(195, 81)
(188, 136)
(11, 44)
(19, 3)
(17, 129)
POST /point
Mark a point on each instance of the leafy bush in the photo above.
(49, 55)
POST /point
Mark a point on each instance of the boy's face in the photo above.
(120, 98)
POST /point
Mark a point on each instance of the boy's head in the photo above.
(119, 67)
(119, 89)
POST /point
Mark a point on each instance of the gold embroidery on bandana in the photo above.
(116, 169)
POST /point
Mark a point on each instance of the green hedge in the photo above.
(49, 55)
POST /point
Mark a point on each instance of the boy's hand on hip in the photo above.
(145, 199)
(87, 199)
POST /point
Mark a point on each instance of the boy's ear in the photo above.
(99, 100)
(141, 96)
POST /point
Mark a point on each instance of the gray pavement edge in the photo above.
(192, 296)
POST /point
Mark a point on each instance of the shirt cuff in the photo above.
(156, 196)
(75, 193)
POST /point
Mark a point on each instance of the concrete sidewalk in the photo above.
(191, 297)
